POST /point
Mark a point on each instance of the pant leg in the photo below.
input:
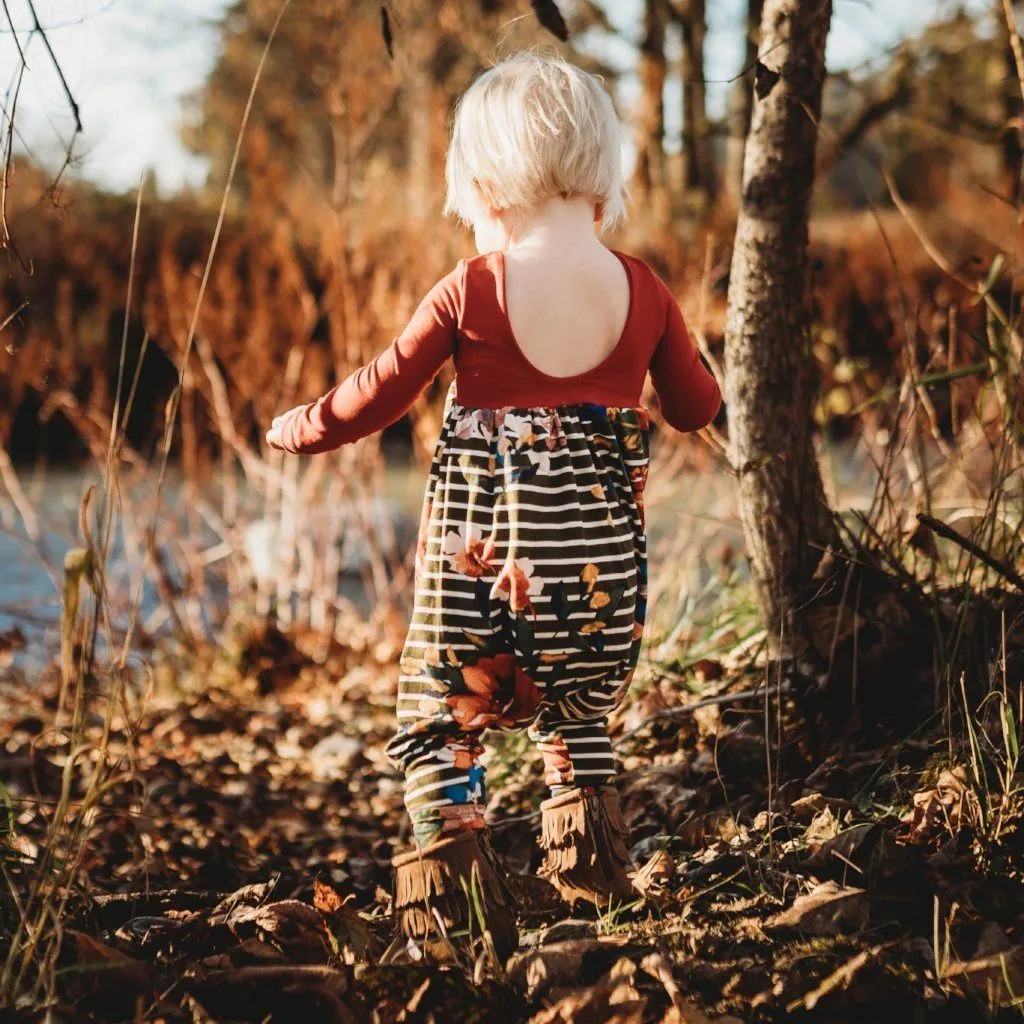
(444, 780)
(576, 752)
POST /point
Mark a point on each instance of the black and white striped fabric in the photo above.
(530, 599)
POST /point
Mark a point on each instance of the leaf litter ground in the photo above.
(241, 870)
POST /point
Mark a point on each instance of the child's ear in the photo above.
(598, 213)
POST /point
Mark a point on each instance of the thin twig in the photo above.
(687, 709)
(1004, 570)
(38, 28)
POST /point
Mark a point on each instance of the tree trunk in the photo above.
(1009, 106)
(426, 107)
(649, 184)
(769, 372)
(698, 173)
(741, 104)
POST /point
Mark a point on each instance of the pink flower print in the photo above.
(555, 442)
(555, 435)
(557, 765)
(517, 584)
(475, 423)
(468, 553)
(456, 818)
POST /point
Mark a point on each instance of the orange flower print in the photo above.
(525, 701)
(459, 757)
(471, 712)
(468, 553)
(638, 481)
(517, 584)
(620, 694)
(521, 427)
(501, 695)
(557, 765)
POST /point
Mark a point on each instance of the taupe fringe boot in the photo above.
(584, 838)
(441, 892)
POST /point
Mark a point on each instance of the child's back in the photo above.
(566, 296)
(531, 565)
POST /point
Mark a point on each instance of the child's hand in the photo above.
(275, 435)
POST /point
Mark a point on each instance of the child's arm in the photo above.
(381, 392)
(687, 392)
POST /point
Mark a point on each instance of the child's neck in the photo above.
(559, 223)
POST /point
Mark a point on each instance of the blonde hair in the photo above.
(529, 129)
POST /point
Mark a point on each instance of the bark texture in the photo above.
(698, 170)
(650, 184)
(1009, 104)
(786, 519)
(741, 104)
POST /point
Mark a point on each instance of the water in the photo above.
(692, 525)
(30, 571)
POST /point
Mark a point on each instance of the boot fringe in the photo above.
(560, 825)
(441, 884)
(614, 827)
(585, 840)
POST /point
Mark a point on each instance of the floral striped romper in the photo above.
(531, 566)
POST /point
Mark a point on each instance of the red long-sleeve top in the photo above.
(464, 317)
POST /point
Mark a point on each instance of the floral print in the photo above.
(468, 552)
(421, 538)
(517, 584)
(500, 694)
(530, 600)
(557, 763)
(475, 423)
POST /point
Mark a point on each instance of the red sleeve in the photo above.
(381, 392)
(687, 392)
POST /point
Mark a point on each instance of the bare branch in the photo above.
(38, 28)
(894, 93)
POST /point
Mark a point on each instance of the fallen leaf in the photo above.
(944, 809)
(998, 976)
(658, 871)
(558, 964)
(805, 808)
(828, 909)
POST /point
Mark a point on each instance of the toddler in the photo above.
(531, 569)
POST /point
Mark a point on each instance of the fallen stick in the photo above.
(1007, 572)
(686, 709)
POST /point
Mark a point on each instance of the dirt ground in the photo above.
(239, 871)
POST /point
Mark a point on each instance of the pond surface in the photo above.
(692, 522)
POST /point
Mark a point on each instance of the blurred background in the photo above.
(333, 232)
